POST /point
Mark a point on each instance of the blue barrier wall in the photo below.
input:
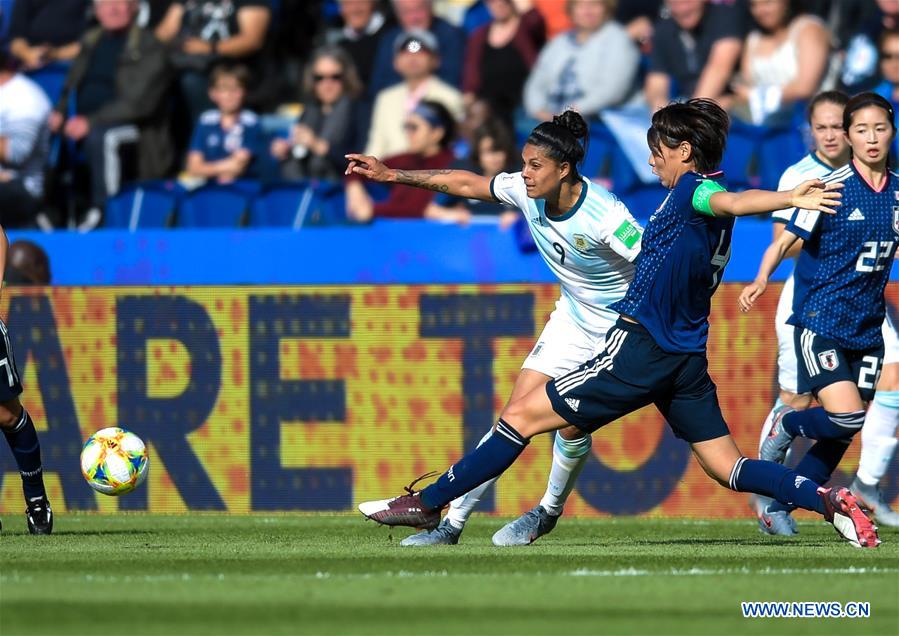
(407, 252)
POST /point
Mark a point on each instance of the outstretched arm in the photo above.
(808, 195)
(461, 183)
(773, 257)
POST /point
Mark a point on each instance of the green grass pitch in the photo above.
(338, 574)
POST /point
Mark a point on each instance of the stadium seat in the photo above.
(51, 78)
(295, 205)
(142, 205)
(214, 206)
(779, 149)
(741, 153)
(600, 146)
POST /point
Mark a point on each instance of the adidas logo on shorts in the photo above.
(573, 403)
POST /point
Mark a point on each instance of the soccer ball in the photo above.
(114, 461)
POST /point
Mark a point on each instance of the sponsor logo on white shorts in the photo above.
(829, 360)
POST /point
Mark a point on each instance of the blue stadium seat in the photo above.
(214, 206)
(644, 200)
(297, 204)
(600, 146)
(621, 172)
(51, 78)
(779, 149)
(142, 205)
(741, 152)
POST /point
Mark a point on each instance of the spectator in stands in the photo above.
(639, 18)
(24, 136)
(500, 55)
(591, 67)
(493, 151)
(26, 264)
(327, 127)
(203, 32)
(416, 56)
(226, 138)
(889, 72)
(418, 15)
(44, 31)
(430, 128)
(121, 76)
(785, 60)
(860, 66)
(695, 51)
(363, 28)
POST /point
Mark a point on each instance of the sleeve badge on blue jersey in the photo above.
(896, 219)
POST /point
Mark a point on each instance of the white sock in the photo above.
(569, 457)
(461, 507)
(879, 437)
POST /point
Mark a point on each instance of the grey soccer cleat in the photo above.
(777, 523)
(776, 440)
(527, 528)
(871, 497)
(444, 534)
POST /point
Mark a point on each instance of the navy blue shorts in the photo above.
(822, 362)
(632, 372)
(10, 383)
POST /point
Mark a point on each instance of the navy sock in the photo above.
(26, 449)
(818, 465)
(491, 458)
(817, 423)
(776, 481)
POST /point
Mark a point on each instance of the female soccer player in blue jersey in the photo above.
(655, 354)
(839, 304)
(589, 240)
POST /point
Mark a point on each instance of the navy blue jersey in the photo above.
(217, 143)
(845, 262)
(680, 266)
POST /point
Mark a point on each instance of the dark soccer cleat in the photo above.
(527, 528)
(405, 510)
(39, 516)
(776, 440)
(841, 509)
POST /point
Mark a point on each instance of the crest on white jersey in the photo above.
(580, 242)
(829, 360)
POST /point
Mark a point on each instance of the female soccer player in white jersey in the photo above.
(589, 240)
(656, 352)
(839, 306)
(825, 117)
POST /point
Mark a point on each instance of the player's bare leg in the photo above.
(22, 439)
(878, 447)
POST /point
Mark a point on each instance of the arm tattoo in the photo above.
(423, 179)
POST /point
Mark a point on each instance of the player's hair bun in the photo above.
(574, 122)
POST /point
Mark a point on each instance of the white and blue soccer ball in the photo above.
(114, 461)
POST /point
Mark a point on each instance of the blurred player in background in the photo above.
(839, 306)
(825, 115)
(18, 428)
(656, 352)
(589, 240)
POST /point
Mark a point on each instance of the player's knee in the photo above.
(571, 433)
(516, 414)
(850, 423)
(796, 401)
(10, 413)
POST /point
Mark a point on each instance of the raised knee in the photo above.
(10, 414)
(572, 433)
(849, 423)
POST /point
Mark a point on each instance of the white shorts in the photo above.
(563, 345)
(786, 348)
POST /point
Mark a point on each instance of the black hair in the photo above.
(838, 98)
(503, 141)
(440, 117)
(561, 139)
(863, 100)
(701, 122)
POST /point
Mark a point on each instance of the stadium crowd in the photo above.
(243, 96)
